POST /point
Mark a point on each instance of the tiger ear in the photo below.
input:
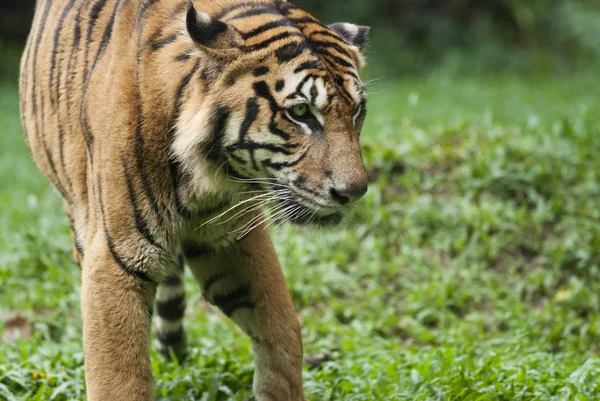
(211, 34)
(355, 35)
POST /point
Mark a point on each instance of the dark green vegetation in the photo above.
(413, 36)
(473, 35)
(470, 272)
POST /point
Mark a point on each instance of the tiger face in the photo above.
(288, 106)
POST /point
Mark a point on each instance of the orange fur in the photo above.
(154, 119)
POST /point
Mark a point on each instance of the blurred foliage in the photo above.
(469, 36)
(458, 36)
(470, 271)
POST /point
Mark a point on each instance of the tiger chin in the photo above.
(168, 126)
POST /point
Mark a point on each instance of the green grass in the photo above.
(470, 272)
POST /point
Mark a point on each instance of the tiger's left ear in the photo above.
(210, 34)
(355, 35)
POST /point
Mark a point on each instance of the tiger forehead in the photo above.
(294, 51)
(288, 32)
(320, 89)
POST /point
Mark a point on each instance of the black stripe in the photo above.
(34, 88)
(174, 166)
(337, 59)
(128, 270)
(180, 89)
(57, 32)
(174, 169)
(233, 296)
(329, 33)
(139, 147)
(107, 34)
(314, 92)
(252, 146)
(301, 84)
(55, 100)
(212, 281)
(262, 90)
(158, 44)
(265, 43)
(235, 157)
(238, 6)
(140, 221)
(79, 247)
(267, 27)
(76, 242)
(363, 111)
(230, 309)
(260, 71)
(171, 310)
(71, 72)
(290, 51)
(231, 301)
(252, 110)
(312, 123)
(40, 116)
(111, 245)
(140, 143)
(279, 85)
(279, 166)
(214, 147)
(92, 19)
(194, 250)
(300, 183)
(342, 89)
(267, 10)
(61, 153)
(308, 65)
(308, 20)
(183, 56)
(334, 66)
(171, 338)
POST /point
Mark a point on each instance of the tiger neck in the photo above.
(177, 82)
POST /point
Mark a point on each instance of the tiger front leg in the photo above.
(247, 284)
(116, 318)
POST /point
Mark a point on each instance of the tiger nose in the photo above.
(349, 193)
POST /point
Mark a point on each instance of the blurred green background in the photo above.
(468, 36)
(463, 36)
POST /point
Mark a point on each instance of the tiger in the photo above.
(168, 127)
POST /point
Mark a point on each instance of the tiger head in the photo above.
(284, 105)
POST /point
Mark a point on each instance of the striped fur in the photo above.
(166, 126)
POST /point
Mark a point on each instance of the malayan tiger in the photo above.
(166, 126)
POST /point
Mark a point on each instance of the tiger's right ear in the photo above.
(212, 35)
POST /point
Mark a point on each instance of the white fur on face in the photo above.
(304, 95)
(354, 90)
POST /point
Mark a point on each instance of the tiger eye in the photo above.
(300, 110)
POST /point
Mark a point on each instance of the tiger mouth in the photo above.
(307, 212)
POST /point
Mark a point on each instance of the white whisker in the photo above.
(254, 198)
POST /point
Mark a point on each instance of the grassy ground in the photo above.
(470, 272)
